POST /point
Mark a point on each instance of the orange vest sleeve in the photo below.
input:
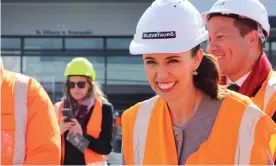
(271, 106)
(58, 107)
(42, 135)
(265, 141)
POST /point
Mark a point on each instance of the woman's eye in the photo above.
(173, 61)
(150, 62)
(220, 36)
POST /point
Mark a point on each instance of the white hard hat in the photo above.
(168, 26)
(252, 9)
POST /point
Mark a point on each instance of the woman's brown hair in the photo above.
(207, 79)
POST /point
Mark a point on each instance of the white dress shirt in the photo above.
(239, 82)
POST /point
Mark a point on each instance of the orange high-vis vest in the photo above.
(265, 99)
(242, 135)
(93, 128)
(29, 130)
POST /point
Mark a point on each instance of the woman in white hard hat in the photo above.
(87, 135)
(192, 120)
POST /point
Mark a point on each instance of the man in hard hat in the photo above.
(29, 127)
(237, 31)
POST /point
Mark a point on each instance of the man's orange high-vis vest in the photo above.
(93, 128)
(242, 135)
(265, 99)
(23, 113)
(13, 124)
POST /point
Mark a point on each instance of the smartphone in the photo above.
(68, 113)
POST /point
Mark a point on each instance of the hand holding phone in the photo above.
(66, 123)
(65, 126)
(68, 113)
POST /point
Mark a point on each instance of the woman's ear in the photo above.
(198, 58)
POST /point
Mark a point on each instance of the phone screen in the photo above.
(68, 113)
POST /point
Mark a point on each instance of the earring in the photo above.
(195, 73)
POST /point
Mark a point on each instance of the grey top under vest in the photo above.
(197, 130)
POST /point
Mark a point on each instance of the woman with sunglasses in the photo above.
(87, 134)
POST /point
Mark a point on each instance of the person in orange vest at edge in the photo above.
(237, 32)
(29, 128)
(192, 120)
(87, 137)
(117, 119)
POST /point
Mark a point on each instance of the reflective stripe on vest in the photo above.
(20, 100)
(141, 129)
(270, 90)
(245, 140)
(246, 135)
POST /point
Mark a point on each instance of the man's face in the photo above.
(226, 42)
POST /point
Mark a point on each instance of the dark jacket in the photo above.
(102, 145)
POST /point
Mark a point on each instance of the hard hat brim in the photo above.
(136, 48)
(204, 15)
(139, 49)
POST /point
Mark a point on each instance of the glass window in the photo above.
(125, 70)
(11, 60)
(10, 43)
(118, 43)
(83, 43)
(37, 66)
(123, 60)
(204, 46)
(266, 46)
(50, 73)
(43, 43)
(273, 48)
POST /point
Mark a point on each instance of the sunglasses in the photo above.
(80, 84)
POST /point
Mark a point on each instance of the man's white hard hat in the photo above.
(252, 9)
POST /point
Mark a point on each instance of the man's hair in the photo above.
(244, 25)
